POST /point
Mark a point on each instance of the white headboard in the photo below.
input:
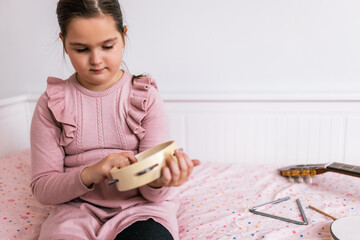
(15, 119)
(281, 129)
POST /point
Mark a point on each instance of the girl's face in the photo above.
(95, 48)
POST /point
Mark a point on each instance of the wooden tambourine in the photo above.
(346, 228)
(146, 170)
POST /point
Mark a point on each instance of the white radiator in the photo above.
(281, 129)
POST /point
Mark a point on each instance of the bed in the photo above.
(214, 203)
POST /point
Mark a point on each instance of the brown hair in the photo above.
(69, 9)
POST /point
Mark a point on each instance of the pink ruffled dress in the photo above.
(73, 127)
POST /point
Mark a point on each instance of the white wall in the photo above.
(202, 46)
(29, 51)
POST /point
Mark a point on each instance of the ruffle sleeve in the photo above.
(56, 103)
(139, 98)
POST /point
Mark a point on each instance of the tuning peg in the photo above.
(300, 180)
(309, 179)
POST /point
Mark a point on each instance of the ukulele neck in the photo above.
(344, 169)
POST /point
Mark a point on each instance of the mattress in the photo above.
(214, 203)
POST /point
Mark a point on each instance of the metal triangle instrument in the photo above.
(305, 221)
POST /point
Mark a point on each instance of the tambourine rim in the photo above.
(161, 147)
(147, 158)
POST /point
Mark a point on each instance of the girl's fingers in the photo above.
(166, 176)
(196, 162)
(174, 169)
(129, 155)
(189, 164)
(181, 169)
(193, 163)
(121, 160)
(183, 165)
(175, 173)
(123, 163)
(190, 167)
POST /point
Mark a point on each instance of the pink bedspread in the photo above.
(214, 202)
(20, 214)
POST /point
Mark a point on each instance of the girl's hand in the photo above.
(99, 171)
(175, 173)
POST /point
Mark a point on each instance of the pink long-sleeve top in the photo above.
(73, 127)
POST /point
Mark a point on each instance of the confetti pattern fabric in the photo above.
(20, 214)
(214, 203)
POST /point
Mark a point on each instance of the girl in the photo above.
(93, 121)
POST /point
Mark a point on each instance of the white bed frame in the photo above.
(279, 129)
